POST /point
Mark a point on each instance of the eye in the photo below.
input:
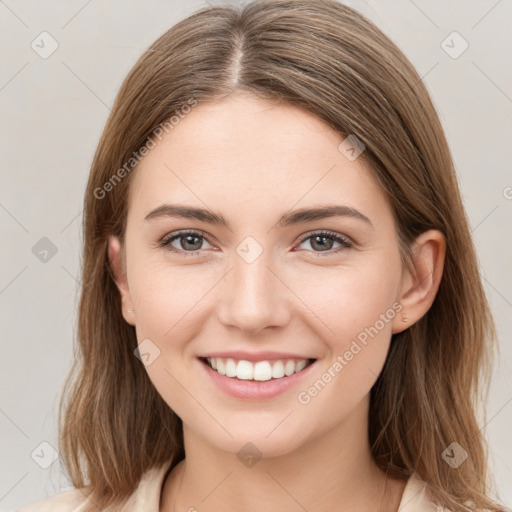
(324, 241)
(189, 241)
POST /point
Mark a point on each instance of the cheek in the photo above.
(167, 298)
(167, 302)
(347, 300)
(353, 315)
(358, 309)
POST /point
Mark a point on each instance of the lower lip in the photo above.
(251, 389)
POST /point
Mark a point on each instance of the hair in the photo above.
(329, 60)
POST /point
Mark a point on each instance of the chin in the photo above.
(258, 443)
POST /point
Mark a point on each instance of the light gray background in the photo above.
(52, 114)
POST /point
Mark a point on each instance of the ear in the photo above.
(117, 264)
(419, 288)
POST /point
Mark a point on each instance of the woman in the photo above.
(281, 304)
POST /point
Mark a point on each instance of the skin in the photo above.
(252, 160)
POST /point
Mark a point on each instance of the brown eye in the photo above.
(187, 242)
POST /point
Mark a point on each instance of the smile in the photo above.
(257, 371)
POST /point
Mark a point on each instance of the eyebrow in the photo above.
(287, 219)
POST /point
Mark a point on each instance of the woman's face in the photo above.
(251, 279)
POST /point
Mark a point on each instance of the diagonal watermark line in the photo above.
(191, 308)
(279, 423)
(14, 423)
(5, 495)
(76, 14)
(13, 279)
(86, 85)
(13, 217)
(14, 76)
(333, 333)
(492, 211)
(221, 482)
(286, 491)
(383, 22)
(412, 498)
(425, 14)
(3, 2)
(208, 208)
(485, 14)
(71, 221)
(422, 77)
(71, 275)
(373, 372)
(501, 295)
(492, 81)
(199, 403)
(487, 423)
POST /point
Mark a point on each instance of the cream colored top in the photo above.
(146, 498)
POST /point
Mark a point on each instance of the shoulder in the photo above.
(146, 496)
(415, 497)
(68, 501)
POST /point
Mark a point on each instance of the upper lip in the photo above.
(256, 356)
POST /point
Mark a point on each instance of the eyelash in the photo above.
(346, 243)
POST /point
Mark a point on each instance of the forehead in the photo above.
(252, 156)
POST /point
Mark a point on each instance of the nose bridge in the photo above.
(253, 297)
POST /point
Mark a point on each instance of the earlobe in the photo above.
(117, 265)
(420, 287)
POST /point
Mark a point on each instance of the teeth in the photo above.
(221, 366)
(230, 367)
(278, 370)
(300, 365)
(289, 367)
(262, 370)
(244, 370)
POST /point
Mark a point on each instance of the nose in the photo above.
(253, 296)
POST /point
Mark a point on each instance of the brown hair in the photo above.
(327, 59)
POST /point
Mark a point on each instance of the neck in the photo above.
(334, 471)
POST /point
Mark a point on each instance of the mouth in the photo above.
(256, 370)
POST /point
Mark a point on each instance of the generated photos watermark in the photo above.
(342, 360)
(137, 156)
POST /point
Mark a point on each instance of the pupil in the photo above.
(191, 237)
(324, 238)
